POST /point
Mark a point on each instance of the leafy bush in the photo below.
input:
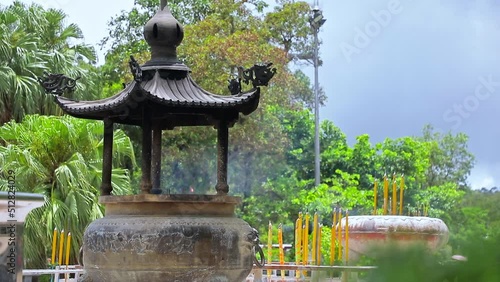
(481, 263)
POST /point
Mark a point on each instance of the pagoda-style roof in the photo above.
(163, 91)
(163, 96)
(171, 96)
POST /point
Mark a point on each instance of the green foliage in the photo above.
(289, 27)
(404, 155)
(364, 160)
(335, 152)
(343, 192)
(449, 158)
(61, 158)
(411, 264)
(440, 199)
(476, 216)
(482, 264)
(189, 162)
(34, 40)
(273, 202)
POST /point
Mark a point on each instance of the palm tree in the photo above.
(33, 40)
(61, 158)
(20, 62)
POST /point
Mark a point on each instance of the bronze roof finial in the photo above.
(163, 33)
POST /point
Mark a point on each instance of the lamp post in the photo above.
(316, 20)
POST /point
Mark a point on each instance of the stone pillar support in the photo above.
(107, 158)
(146, 152)
(156, 160)
(222, 156)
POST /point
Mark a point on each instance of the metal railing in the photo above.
(272, 273)
(308, 273)
(71, 274)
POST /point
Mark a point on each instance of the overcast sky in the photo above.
(390, 67)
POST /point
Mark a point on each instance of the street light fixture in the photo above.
(316, 20)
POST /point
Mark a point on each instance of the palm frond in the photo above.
(60, 158)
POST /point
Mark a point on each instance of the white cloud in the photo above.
(485, 176)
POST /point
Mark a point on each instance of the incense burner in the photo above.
(368, 232)
(155, 237)
(168, 238)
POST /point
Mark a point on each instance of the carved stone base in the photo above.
(168, 238)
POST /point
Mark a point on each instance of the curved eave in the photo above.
(98, 109)
(185, 93)
(177, 96)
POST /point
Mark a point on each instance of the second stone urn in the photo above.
(148, 237)
(372, 231)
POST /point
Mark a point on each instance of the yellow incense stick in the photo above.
(298, 236)
(333, 237)
(298, 242)
(281, 253)
(386, 194)
(305, 242)
(269, 246)
(318, 259)
(314, 238)
(54, 247)
(68, 248)
(394, 197)
(375, 186)
(339, 234)
(306, 239)
(61, 245)
(401, 193)
(347, 237)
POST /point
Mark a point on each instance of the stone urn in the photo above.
(367, 232)
(169, 238)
